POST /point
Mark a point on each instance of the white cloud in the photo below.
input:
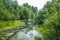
(37, 3)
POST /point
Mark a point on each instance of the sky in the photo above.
(36, 3)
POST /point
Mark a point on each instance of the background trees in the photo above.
(10, 10)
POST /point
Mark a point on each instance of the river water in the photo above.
(29, 33)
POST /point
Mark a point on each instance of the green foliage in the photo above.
(7, 9)
(47, 33)
(10, 10)
(10, 24)
(14, 39)
(51, 26)
(39, 18)
(24, 14)
(48, 18)
(38, 38)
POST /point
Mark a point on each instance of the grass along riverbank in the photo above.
(10, 24)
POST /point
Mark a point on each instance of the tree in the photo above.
(9, 10)
(50, 28)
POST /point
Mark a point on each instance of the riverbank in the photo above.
(10, 24)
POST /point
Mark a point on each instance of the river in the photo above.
(29, 34)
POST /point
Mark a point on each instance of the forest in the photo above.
(14, 16)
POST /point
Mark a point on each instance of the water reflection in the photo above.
(29, 35)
